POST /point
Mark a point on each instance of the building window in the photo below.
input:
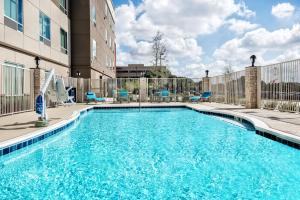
(106, 11)
(94, 15)
(63, 6)
(13, 79)
(106, 36)
(45, 27)
(94, 50)
(13, 11)
(64, 41)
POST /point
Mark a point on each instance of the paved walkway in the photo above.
(282, 121)
(13, 126)
(21, 124)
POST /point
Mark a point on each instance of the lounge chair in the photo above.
(164, 94)
(195, 98)
(91, 97)
(206, 96)
(63, 94)
(123, 95)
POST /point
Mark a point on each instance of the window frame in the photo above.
(43, 37)
(110, 42)
(19, 13)
(94, 15)
(94, 49)
(106, 10)
(10, 73)
(63, 8)
(64, 34)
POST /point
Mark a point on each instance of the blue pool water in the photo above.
(153, 154)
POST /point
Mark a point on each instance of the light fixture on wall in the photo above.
(37, 62)
(78, 73)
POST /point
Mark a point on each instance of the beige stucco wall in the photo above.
(29, 40)
(29, 62)
(98, 33)
(96, 75)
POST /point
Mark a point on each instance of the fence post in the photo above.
(206, 83)
(143, 90)
(39, 76)
(253, 82)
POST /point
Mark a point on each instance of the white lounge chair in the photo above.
(63, 94)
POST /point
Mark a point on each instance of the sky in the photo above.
(208, 34)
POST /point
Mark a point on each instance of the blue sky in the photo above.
(202, 35)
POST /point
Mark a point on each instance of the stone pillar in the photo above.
(252, 84)
(206, 84)
(39, 76)
(143, 90)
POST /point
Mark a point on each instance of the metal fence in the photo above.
(81, 85)
(229, 88)
(280, 86)
(16, 89)
(181, 88)
(218, 87)
(147, 90)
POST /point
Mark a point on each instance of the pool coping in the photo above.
(261, 128)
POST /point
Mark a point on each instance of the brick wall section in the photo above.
(206, 84)
(39, 76)
(252, 84)
(143, 89)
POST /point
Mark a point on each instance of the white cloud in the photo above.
(244, 11)
(181, 22)
(285, 42)
(194, 17)
(240, 26)
(283, 10)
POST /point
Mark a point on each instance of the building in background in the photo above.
(93, 39)
(136, 70)
(34, 28)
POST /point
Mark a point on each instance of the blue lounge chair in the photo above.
(205, 96)
(123, 95)
(195, 98)
(91, 97)
(164, 94)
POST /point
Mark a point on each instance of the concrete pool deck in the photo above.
(14, 126)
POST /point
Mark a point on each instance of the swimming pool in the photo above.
(153, 154)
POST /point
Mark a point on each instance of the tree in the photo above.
(159, 73)
(228, 69)
(159, 50)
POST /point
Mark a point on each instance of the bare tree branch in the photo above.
(159, 50)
